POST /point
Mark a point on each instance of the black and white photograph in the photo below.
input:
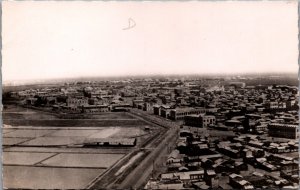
(150, 94)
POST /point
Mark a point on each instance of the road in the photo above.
(144, 170)
(138, 175)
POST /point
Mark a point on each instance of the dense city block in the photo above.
(176, 132)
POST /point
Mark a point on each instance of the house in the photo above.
(76, 102)
(283, 130)
(180, 113)
(95, 108)
(175, 157)
(165, 184)
(184, 176)
(237, 181)
(110, 142)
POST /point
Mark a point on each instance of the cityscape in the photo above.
(150, 94)
(153, 132)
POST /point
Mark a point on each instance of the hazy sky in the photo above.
(43, 40)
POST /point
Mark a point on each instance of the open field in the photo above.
(24, 158)
(27, 133)
(83, 160)
(13, 141)
(7, 130)
(52, 141)
(101, 150)
(60, 136)
(16, 115)
(74, 122)
(48, 177)
(73, 133)
(43, 152)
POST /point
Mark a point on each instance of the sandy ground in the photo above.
(73, 133)
(41, 159)
(13, 141)
(24, 158)
(105, 133)
(50, 178)
(83, 160)
(28, 133)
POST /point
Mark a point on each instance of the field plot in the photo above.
(37, 154)
(83, 160)
(84, 150)
(129, 132)
(107, 132)
(73, 133)
(27, 133)
(48, 178)
(60, 136)
(24, 158)
(27, 115)
(74, 122)
(13, 141)
(7, 130)
(112, 116)
(53, 141)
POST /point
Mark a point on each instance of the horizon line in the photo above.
(34, 81)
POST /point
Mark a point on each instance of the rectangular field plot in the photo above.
(27, 133)
(112, 116)
(106, 132)
(48, 178)
(53, 141)
(24, 158)
(128, 132)
(83, 160)
(68, 150)
(73, 133)
(13, 141)
(7, 130)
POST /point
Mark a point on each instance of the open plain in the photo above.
(54, 155)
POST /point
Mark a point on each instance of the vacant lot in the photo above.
(24, 158)
(13, 141)
(41, 157)
(7, 130)
(83, 160)
(53, 141)
(15, 115)
(28, 133)
(73, 133)
(49, 178)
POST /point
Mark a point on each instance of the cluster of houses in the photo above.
(172, 99)
(244, 109)
(263, 121)
(235, 162)
(73, 98)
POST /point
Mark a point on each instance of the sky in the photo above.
(66, 39)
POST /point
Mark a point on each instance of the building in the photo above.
(283, 130)
(193, 121)
(147, 106)
(272, 105)
(120, 107)
(199, 120)
(180, 113)
(110, 142)
(184, 176)
(165, 111)
(95, 108)
(237, 182)
(208, 120)
(156, 109)
(75, 102)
